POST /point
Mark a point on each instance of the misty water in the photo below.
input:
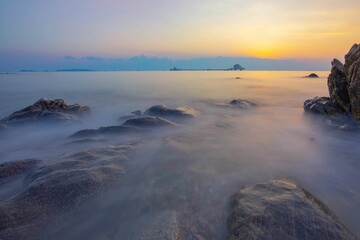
(194, 169)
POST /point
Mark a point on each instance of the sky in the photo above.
(39, 32)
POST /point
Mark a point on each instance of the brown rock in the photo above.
(280, 209)
(352, 73)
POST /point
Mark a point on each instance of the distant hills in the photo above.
(146, 63)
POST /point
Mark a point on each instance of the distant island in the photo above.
(236, 67)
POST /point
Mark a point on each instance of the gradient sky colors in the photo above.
(178, 29)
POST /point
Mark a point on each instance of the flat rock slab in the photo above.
(279, 209)
(60, 185)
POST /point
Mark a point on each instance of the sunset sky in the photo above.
(320, 29)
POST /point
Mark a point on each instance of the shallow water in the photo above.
(195, 169)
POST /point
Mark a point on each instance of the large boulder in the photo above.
(344, 86)
(47, 109)
(322, 105)
(280, 209)
(60, 185)
(352, 73)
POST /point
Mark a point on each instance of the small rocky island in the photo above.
(344, 89)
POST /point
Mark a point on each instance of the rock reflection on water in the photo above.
(183, 179)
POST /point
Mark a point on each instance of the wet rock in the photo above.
(10, 169)
(312, 75)
(344, 84)
(170, 113)
(149, 122)
(280, 209)
(337, 85)
(322, 105)
(242, 103)
(47, 109)
(59, 186)
(134, 114)
(111, 130)
(131, 126)
(352, 73)
(160, 226)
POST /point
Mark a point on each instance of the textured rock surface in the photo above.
(322, 105)
(344, 87)
(169, 113)
(242, 103)
(10, 169)
(58, 186)
(280, 209)
(337, 85)
(131, 126)
(352, 72)
(47, 109)
(111, 130)
(161, 226)
(134, 114)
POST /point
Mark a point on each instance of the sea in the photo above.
(196, 169)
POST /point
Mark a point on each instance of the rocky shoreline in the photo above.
(344, 91)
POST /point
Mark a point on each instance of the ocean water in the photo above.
(194, 170)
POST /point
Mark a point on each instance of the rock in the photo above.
(352, 73)
(131, 126)
(312, 75)
(322, 105)
(337, 85)
(172, 114)
(111, 130)
(344, 85)
(134, 114)
(280, 209)
(159, 226)
(242, 103)
(60, 185)
(148, 122)
(10, 169)
(47, 109)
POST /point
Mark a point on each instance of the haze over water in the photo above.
(200, 165)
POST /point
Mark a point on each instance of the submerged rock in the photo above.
(59, 186)
(131, 126)
(242, 103)
(322, 105)
(111, 130)
(148, 122)
(171, 113)
(280, 209)
(312, 75)
(46, 109)
(134, 114)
